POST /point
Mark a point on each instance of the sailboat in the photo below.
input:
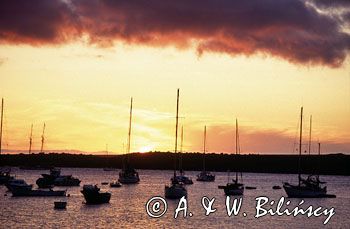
(128, 175)
(4, 173)
(176, 190)
(182, 177)
(311, 187)
(234, 188)
(205, 175)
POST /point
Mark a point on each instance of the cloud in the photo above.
(36, 22)
(290, 29)
(332, 3)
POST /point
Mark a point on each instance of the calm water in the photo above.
(127, 205)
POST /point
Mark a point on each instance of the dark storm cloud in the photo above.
(289, 29)
(36, 21)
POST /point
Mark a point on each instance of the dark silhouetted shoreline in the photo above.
(331, 164)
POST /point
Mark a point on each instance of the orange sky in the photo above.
(77, 69)
(82, 93)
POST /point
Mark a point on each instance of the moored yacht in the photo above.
(234, 187)
(176, 189)
(311, 187)
(204, 175)
(128, 175)
(5, 175)
(181, 178)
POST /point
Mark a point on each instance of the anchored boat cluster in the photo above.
(310, 187)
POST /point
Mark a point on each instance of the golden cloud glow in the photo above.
(82, 94)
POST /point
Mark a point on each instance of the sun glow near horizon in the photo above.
(84, 99)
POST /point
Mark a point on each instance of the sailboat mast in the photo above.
(30, 140)
(204, 146)
(129, 133)
(236, 147)
(42, 140)
(177, 123)
(2, 117)
(319, 157)
(181, 144)
(310, 135)
(300, 142)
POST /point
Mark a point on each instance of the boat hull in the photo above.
(60, 204)
(233, 189)
(234, 192)
(11, 187)
(37, 193)
(67, 182)
(295, 191)
(205, 177)
(175, 192)
(115, 185)
(97, 198)
(129, 177)
(129, 180)
(182, 179)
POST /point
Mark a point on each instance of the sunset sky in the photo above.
(74, 65)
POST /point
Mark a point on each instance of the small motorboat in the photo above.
(276, 187)
(56, 179)
(115, 184)
(17, 183)
(249, 187)
(60, 204)
(48, 180)
(93, 195)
